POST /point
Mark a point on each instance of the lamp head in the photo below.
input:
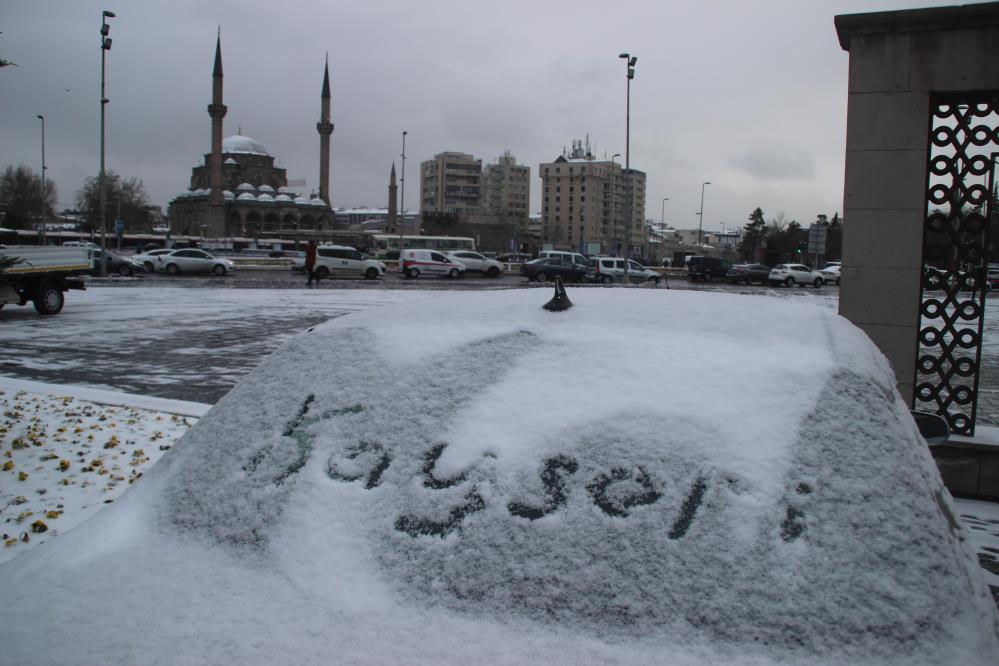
(108, 14)
(40, 117)
(631, 63)
(625, 55)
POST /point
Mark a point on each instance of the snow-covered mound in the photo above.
(649, 477)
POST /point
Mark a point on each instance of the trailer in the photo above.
(42, 274)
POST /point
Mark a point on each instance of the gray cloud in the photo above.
(768, 163)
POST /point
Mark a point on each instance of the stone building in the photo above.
(239, 192)
(585, 202)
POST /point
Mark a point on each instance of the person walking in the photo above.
(310, 262)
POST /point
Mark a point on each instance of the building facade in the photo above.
(239, 192)
(451, 184)
(592, 206)
(506, 188)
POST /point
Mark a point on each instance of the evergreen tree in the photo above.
(753, 235)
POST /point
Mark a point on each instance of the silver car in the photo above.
(192, 260)
(792, 274)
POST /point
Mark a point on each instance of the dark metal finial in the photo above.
(560, 301)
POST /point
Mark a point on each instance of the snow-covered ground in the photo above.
(492, 483)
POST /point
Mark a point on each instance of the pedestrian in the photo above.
(310, 262)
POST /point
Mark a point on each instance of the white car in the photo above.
(792, 274)
(414, 263)
(343, 261)
(476, 263)
(192, 260)
(148, 259)
(611, 269)
(831, 273)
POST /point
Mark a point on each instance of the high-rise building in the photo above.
(586, 202)
(451, 184)
(506, 188)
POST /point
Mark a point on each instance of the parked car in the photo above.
(707, 268)
(343, 261)
(148, 259)
(611, 269)
(831, 273)
(792, 274)
(116, 264)
(514, 258)
(542, 270)
(192, 260)
(748, 273)
(476, 263)
(574, 257)
(414, 263)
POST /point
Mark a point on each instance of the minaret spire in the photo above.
(217, 111)
(325, 128)
(392, 202)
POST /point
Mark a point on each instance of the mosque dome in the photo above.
(245, 187)
(266, 188)
(316, 201)
(265, 198)
(228, 195)
(238, 143)
(301, 201)
(246, 196)
(229, 160)
(282, 198)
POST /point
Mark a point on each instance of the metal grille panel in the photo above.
(964, 139)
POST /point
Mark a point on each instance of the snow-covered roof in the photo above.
(533, 491)
(286, 190)
(246, 196)
(265, 198)
(227, 194)
(266, 188)
(283, 198)
(301, 201)
(238, 143)
(316, 201)
(246, 187)
(230, 160)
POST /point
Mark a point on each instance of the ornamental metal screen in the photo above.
(960, 197)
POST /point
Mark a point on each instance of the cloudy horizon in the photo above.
(749, 96)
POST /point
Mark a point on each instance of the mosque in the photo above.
(239, 192)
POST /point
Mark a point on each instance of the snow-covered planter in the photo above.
(649, 477)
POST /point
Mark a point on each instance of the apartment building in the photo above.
(589, 205)
(451, 183)
(506, 188)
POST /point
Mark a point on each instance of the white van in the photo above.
(414, 263)
(573, 257)
(343, 261)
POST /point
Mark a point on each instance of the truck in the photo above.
(42, 274)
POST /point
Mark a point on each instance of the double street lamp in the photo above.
(43, 215)
(629, 61)
(105, 47)
(700, 222)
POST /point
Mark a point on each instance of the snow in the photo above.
(470, 479)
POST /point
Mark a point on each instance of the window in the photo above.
(435, 256)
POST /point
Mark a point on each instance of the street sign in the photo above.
(817, 238)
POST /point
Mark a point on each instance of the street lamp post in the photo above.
(43, 217)
(629, 61)
(105, 47)
(402, 206)
(700, 222)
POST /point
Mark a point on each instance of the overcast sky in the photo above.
(750, 96)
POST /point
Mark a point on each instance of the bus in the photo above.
(387, 246)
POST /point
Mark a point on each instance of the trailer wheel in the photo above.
(48, 298)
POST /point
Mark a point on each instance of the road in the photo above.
(193, 337)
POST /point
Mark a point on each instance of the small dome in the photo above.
(242, 144)
(265, 198)
(245, 187)
(286, 190)
(266, 188)
(246, 196)
(301, 201)
(283, 198)
(229, 160)
(200, 192)
(316, 201)
(226, 194)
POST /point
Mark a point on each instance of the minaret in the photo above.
(392, 203)
(217, 110)
(325, 128)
